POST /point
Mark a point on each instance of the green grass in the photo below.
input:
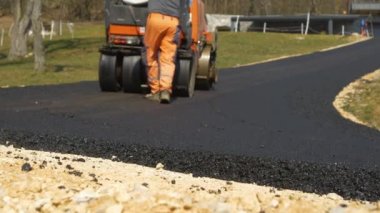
(72, 60)
(67, 60)
(364, 103)
(244, 48)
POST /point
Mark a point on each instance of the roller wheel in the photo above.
(213, 70)
(207, 73)
(108, 73)
(132, 71)
(185, 83)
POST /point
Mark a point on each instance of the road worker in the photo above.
(161, 40)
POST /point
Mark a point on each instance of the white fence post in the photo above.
(70, 26)
(237, 24)
(2, 37)
(302, 27)
(307, 23)
(265, 27)
(60, 28)
(43, 30)
(343, 30)
(52, 30)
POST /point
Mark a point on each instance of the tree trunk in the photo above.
(38, 46)
(313, 7)
(21, 26)
(26, 16)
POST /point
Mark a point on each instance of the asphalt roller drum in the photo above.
(207, 74)
(184, 80)
(108, 75)
(131, 74)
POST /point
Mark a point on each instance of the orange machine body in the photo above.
(119, 34)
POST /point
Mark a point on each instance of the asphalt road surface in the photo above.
(272, 124)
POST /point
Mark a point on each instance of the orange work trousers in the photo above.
(161, 42)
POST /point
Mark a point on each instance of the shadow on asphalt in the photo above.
(350, 183)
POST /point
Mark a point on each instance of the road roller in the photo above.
(122, 65)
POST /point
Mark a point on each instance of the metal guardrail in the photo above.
(331, 24)
(366, 6)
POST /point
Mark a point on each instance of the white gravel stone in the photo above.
(337, 210)
(160, 166)
(41, 202)
(118, 208)
(123, 197)
(85, 196)
(334, 196)
(274, 203)
(222, 208)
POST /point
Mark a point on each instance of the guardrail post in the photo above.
(265, 27)
(307, 23)
(237, 24)
(233, 24)
(331, 27)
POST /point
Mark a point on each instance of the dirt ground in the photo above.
(32, 181)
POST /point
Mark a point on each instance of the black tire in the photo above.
(108, 73)
(214, 70)
(202, 84)
(132, 71)
(185, 77)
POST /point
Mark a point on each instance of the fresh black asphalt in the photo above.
(273, 124)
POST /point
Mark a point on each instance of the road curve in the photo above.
(277, 113)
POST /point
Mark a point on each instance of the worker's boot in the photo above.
(165, 97)
(153, 97)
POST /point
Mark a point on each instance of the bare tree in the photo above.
(27, 16)
(313, 7)
(38, 44)
(21, 11)
(4, 7)
(267, 6)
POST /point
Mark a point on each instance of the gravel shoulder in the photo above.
(34, 181)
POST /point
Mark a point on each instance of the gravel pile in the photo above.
(349, 183)
(33, 181)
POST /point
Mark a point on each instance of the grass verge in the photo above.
(244, 48)
(364, 100)
(72, 60)
(67, 59)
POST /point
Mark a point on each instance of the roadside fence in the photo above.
(56, 28)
